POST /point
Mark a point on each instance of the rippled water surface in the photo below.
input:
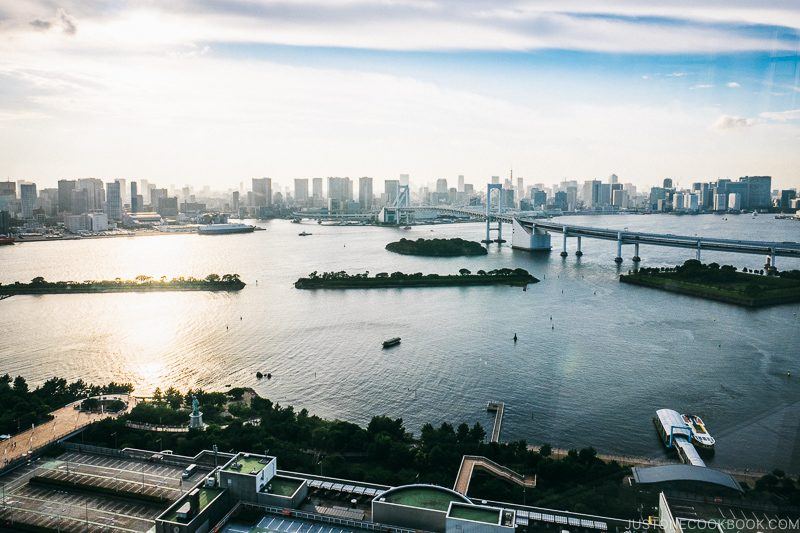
(594, 375)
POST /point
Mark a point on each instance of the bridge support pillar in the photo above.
(618, 259)
(578, 252)
(564, 243)
(698, 251)
(636, 257)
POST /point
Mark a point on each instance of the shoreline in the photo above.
(19, 289)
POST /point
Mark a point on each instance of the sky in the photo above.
(216, 92)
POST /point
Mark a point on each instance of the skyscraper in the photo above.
(441, 186)
(27, 193)
(667, 183)
(759, 192)
(316, 189)
(301, 191)
(65, 188)
(262, 192)
(404, 179)
(365, 193)
(460, 183)
(134, 198)
(114, 200)
(95, 193)
(391, 188)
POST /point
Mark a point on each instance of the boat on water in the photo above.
(223, 229)
(394, 341)
(700, 435)
(304, 234)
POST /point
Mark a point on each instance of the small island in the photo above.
(342, 280)
(212, 282)
(721, 283)
(436, 247)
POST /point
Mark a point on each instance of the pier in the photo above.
(497, 408)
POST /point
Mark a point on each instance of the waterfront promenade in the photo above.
(66, 420)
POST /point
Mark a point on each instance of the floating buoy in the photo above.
(515, 337)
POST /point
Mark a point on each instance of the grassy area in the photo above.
(476, 514)
(424, 497)
(723, 284)
(250, 465)
(284, 486)
(207, 495)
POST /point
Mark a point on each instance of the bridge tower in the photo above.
(489, 188)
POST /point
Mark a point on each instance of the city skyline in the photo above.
(219, 93)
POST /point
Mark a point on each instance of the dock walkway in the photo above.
(498, 408)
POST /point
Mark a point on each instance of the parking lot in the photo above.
(75, 510)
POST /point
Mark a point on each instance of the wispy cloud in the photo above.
(781, 116)
(729, 122)
(702, 86)
(635, 26)
(732, 85)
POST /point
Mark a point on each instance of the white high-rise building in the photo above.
(365, 193)
(735, 201)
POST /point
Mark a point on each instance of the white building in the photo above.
(98, 222)
(720, 202)
(734, 201)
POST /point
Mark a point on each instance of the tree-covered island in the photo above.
(723, 283)
(343, 280)
(436, 247)
(142, 283)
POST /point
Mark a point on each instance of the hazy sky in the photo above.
(215, 92)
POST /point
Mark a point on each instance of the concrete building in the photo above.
(135, 206)
(365, 195)
(77, 223)
(114, 200)
(420, 507)
(97, 222)
(235, 202)
(720, 202)
(391, 190)
(28, 196)
(95, 193)
(65, 188)
(734, 201)
(301, 191)
(759, 192)
(262, 192)
(316, 191)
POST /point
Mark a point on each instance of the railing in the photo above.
(317, 517)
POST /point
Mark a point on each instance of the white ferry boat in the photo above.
(222, 229)
(700, 436)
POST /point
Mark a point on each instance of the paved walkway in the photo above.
(65, 421)
(470, 462)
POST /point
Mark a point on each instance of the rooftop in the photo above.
(475, 513)
(423, 496)
(250, 464)
(283, 486)
(207, 495)
(683, 473)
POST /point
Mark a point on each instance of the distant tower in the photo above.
(196, 418)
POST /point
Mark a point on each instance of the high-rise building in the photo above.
(316, 189)
(95, 193)
(27, 194)
(734, 201)
(365, 193)
(79, 199)
(301, 191)
(460, 183)
(539, 198)
(262, 192)
(441, 186)
(114, 200)
(48, 201)
(65, 188)
(720, 202)
(591, 193)
(404, 179)
(786, 197)
(156, 195)
(235, 202)
(144, 191)
(124, 192)
(340, 189)
(667, 183)
(495, 180)
(134, 198)
(8, 197)
(613, 179)
(391, 189)
(759, 192)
